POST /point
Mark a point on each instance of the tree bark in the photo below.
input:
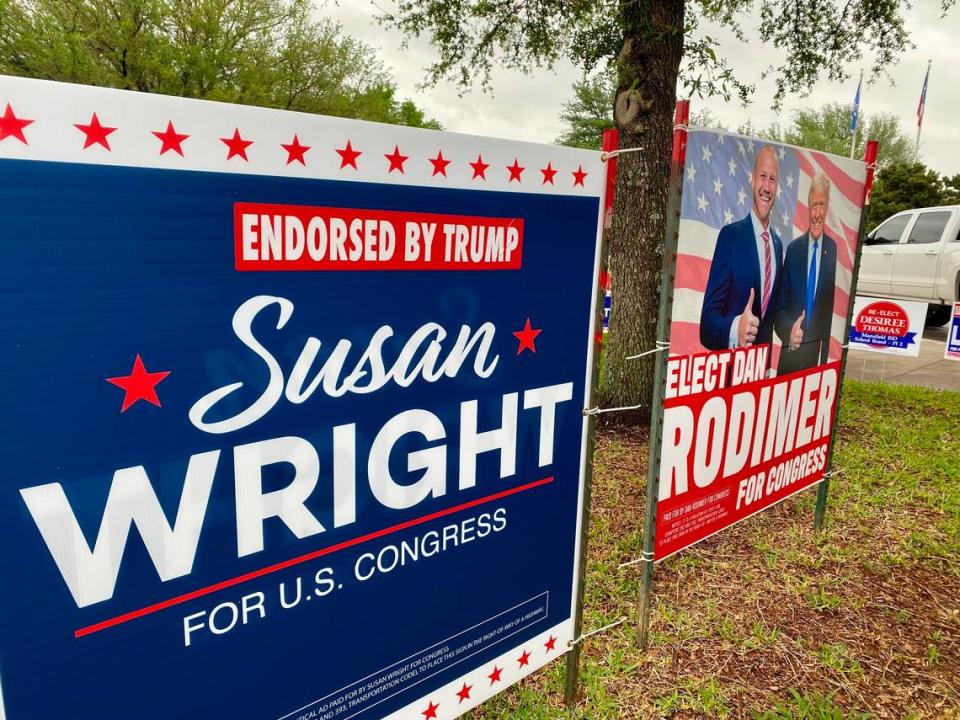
(648, 66)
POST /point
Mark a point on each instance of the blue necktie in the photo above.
(811, 285)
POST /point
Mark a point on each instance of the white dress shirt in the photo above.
(758, 237)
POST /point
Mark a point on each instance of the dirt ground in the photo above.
(769, 619)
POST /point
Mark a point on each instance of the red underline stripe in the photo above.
(186, 597)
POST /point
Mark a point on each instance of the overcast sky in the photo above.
(527, 107)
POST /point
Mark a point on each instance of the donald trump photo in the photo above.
(805, 315)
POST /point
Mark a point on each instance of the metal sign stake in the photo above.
(870, 157)
(681, 116)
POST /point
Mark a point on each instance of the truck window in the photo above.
(890, 231)
(929, 227)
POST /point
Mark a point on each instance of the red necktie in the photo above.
(767, 275)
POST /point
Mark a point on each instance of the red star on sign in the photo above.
(95, 132)
(396, 160)
(526, 337)
(348, 156)
(12, 126)
(440, 164)
(548, 173)
(551, 644)
(464, 693)
(495, 675)
(237, 146)
(515, 170)
(139, 384)
(431, 711)
(479, 168)
(170, 139)
(296, 151)
(524, 659)
(578, 176)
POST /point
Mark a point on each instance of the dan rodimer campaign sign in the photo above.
(767, 243)
(291, 412)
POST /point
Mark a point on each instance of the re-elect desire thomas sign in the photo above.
(292, 409)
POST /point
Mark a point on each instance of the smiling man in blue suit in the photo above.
(805, 315)
(739, 303)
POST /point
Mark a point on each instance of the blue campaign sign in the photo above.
(292, 409)
(952, 350)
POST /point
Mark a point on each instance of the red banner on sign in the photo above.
(735, 442)
(297, 237)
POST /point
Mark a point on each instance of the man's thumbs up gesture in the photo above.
(796, 332)
(749, 324)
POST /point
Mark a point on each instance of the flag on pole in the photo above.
(855, 111)
(923, 97)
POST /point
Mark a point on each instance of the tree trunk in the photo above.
(648, 67)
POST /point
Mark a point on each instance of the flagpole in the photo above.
(920, 110)
(856, 127)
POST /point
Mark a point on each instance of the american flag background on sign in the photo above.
(717, 191)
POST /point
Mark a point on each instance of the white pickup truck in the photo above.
(915, 255)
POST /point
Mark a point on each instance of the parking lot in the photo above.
(930, 369)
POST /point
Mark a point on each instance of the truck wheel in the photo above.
(937, 315)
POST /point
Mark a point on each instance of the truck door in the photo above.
(876, 260)
(915, 261)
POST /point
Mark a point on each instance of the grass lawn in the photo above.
(768, 619)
